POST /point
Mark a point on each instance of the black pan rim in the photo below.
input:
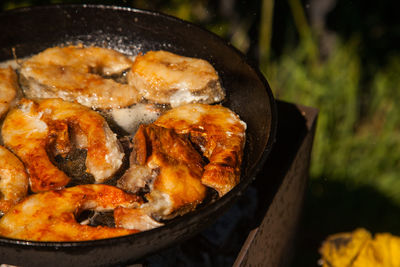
(202, 212)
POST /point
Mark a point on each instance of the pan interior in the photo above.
(131, 31)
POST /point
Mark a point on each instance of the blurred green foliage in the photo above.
(354, 146)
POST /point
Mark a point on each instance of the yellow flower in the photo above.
(359, 249)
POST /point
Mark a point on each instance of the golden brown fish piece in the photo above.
(13, 180)
(166, 78)
(50, 216)
(131, 218)
(171, 169)
(31, 128)
(91, 132)
(219, 134)
(8, 89)
(75, 73)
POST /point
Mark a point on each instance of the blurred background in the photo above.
(340, 56)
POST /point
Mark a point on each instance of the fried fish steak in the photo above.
(169, 167)
(220, 135)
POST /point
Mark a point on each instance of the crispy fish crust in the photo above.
(75, 73)
(32, 126)
(169, 165)
(219, 134)
(166, 78)
(8, 89)
(13, 180)
(50, 216)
